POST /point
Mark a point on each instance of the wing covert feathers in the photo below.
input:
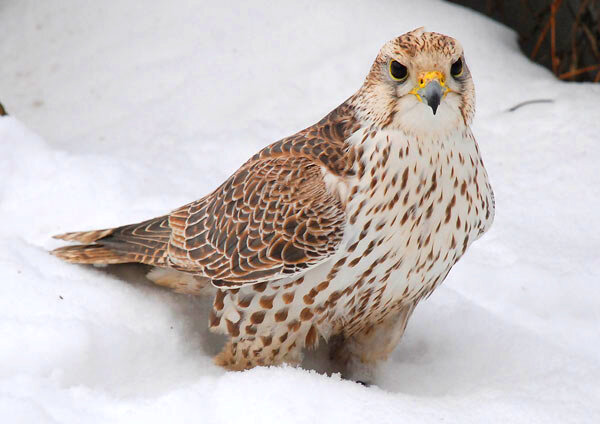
(274, 217)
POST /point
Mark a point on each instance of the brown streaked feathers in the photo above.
(336, 232)
(144, 242)
(274, 217)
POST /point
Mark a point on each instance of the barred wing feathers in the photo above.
(273, 218)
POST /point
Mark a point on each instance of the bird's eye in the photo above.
(457, 68)
(398, 71)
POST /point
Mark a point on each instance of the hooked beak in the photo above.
(432, 88)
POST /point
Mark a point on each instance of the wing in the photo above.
(275, 217)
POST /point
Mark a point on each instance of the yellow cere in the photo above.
(425, 78)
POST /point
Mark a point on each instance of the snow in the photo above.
(121, 111)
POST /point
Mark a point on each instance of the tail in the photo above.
(145, 243)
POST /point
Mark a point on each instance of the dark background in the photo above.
(563, 35)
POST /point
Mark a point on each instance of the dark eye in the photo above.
(456, 68)
(398, 71)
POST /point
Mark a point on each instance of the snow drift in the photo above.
(122, 111)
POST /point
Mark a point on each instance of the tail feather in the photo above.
(91, 254)
(86, 237)
(145, 242)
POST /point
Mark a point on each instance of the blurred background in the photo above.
(562, 35)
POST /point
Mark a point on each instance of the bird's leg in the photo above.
(358, 354)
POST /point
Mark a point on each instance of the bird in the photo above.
(333, 234)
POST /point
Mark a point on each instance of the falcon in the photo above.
(334, 233)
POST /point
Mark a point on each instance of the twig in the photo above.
(591, 39)
(540, 40)
(553, 9)
(577, 16)
(578, 71)
(529, 102)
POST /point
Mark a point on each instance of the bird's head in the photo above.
(420, 83)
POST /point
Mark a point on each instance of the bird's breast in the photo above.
(412, 211)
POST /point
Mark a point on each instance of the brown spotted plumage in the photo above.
(336, 232)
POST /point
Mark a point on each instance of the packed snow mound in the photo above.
(122, 111)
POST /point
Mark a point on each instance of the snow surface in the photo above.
(125, 110)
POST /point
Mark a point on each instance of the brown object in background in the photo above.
(2, 110)
(562, 35)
